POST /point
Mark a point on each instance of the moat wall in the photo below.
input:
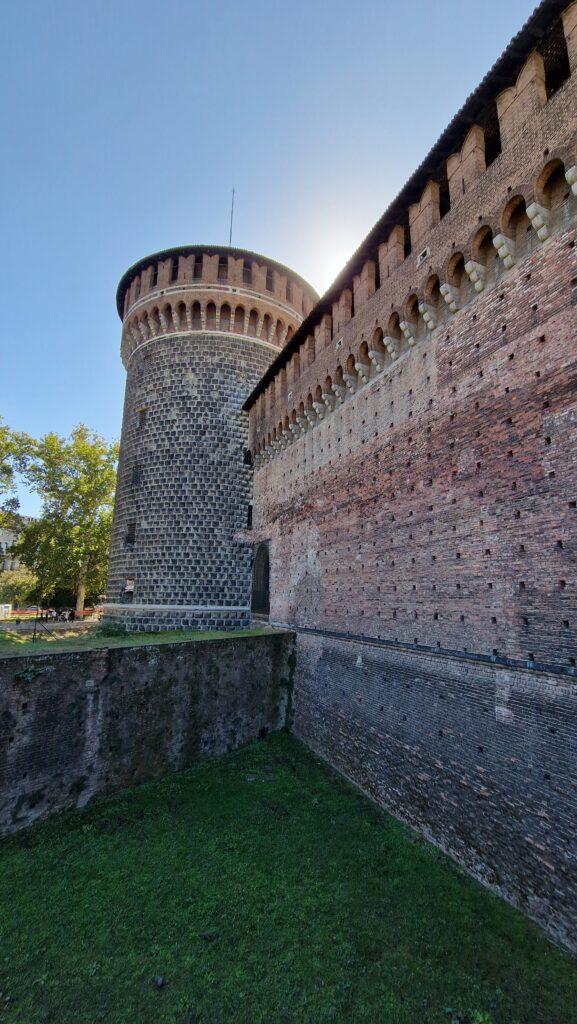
(76, 724)
(478, 757)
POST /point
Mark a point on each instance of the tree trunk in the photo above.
(80, 597)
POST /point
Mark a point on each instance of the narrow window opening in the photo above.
(223, 268)
(197, 272)
(247, 272)
(260, 603)
(553, 49)
(130, 533)
(444, 194)
(174, 269)
(407, 244)
(269, 280)
(490, 124)
(154, 276)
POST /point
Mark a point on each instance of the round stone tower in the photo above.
(201, 324)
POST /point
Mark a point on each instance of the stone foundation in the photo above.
(154, 617)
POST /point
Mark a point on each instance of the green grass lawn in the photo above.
(259, 888)
(13, 643)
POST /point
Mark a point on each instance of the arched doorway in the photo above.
(260, 580)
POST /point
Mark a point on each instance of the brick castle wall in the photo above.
(417, 484)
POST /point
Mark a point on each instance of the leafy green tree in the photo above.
(67, 547)
(8, 459)
(17, 586)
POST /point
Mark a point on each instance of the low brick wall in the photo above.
(78, 723)
(480, 758)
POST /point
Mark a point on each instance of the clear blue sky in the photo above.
(126, 123)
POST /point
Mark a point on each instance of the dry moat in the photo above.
(259, 887)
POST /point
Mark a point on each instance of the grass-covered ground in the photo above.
(14, 643)
(259, 888)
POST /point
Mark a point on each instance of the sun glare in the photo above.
(330, 263)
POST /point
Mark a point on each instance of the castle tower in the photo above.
(201, 324)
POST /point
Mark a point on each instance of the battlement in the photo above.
(464, 218)
(207, 288)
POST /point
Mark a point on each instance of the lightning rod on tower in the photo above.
(231, 216)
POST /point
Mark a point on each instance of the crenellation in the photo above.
(490, 248)
(424, 215)
(517, 104)
(464, 167)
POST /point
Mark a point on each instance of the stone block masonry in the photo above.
(200, 327)
(183, 485)
(79, 723)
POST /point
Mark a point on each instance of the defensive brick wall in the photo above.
(416, 482)
(76, 724)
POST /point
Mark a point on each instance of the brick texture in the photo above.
(417, 485)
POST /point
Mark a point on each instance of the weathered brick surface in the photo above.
(437, 505)
(76, 724)
(424, 503)
(479, 758)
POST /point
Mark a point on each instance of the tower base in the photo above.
(149, 618)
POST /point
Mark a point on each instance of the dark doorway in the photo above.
(260, 580)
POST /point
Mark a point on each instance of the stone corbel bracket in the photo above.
(505, 247)
(451, 296)
(539, 217)
(408, 332)
(476, 274)
(428, 316)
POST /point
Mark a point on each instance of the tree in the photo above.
(75, 478)
(17, 586)
(8, 458)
